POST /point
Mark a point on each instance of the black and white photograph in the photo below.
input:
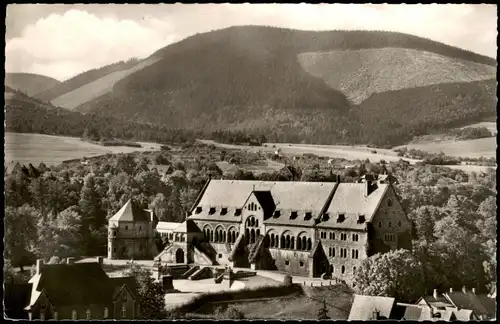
(250, 162)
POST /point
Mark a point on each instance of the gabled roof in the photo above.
(469, 300)
(351, 198)
(131, 212)
(363, 307)
(72, 284)
(407, 312)
(266, 200)
(188, 226)
(121, 283)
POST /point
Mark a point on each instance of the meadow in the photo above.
(52, 150)
(475, 148)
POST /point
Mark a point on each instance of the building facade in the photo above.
(303, 228)
(131, 233)
(76, 291)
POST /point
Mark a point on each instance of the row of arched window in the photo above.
(220, 235)
(343, 253)
(252, 222)
(287, 241)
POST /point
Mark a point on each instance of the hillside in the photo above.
(359, 74)
(27, 115)
(29, 83)
(250, 78)
(51, 93)
(96, 88)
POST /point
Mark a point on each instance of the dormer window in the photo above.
(361, 219)
(198, 210)
(326, 217)
(237, 212)
(211, 211)
(308, 215)
(293, 214)
(340, 218)
(277, 214)
(223, 211)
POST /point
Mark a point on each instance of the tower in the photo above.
(112, 242)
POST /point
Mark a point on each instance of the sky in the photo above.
(62, 41)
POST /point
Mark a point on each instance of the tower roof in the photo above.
(130, 212)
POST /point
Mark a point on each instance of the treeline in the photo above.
(470, 133)
(238, 137)
(441, 158)
(30, 116)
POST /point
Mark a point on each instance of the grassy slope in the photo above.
(82, 79)
(360, 73)
(96, 88)
(29, 83)
(250, 78)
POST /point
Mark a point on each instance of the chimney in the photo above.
(435, 294)
(39, 266)
(100, 260)
(474, 291)
(451, 290)
(464, 289)
(70, 260)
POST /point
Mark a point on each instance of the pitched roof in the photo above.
(188, 226)
(286, 194)
(129, 282)
(363, 307)
(469, 300)
(131, 212)
(72, 284)
(265, 199)
(351, 199)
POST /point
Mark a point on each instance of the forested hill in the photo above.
(29, 83)
(27, 115)
(256, 79)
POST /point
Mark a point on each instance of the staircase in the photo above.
(219, 279)
(203, 273)
(236, 245)
(188, 273)
(162, 253)
(253, 249)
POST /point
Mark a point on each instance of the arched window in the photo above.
(257, 232)
(211, 235)
(292, 244)
(277, 241)
(224, 237)
(353, 270)
(343, 269)
(333, 252)
(390, 224)
(282, 242)
(252, 236)
(257, 222)
(309, 244)
(287, 242)
(216, 236)
(272, 239)
(379, 224)
(252, 222)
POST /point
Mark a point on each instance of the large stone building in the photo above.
(303, 228)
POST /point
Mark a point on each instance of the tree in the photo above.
(90, 207)
(160, 206)
(151, 295)
(20, 233)
(323, 311)
(61, 237)
(396, 274)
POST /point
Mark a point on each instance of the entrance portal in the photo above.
(179, 256)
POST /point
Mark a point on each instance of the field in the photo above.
(476, 148)
(52, 150)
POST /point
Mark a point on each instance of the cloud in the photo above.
(68, 42)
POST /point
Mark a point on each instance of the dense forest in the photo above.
(29, 83)
(62, 210)
(26, 115)
(249, 78)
